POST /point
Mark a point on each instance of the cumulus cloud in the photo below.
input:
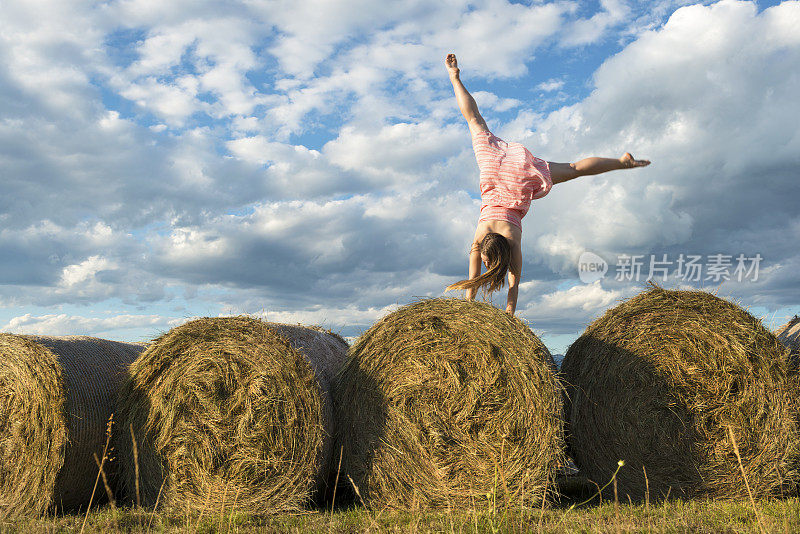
(346, 250)
(566, 311)
(403, 151)
(307, 161)
(63, 324)
(180, 65)
(39, 254)
(295, 171)
(85, 273)
(588, 30)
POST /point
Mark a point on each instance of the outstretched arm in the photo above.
(466, 103)
(562, 172)
(474, 268)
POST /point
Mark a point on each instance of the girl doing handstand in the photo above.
(510, 178)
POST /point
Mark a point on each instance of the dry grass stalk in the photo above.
(746, 483)
(155, 506)
(446, 401)
(232, 403)
(56, 396)
(135, 452)
(336, 480)
(109, 491)
(656, 381)
(202, 511)
(100, 464)
(544, 501)
(233, 508)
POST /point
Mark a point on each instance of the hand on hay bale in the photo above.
(657, 381)
(231, 411)
(444, 402)
(57, 395)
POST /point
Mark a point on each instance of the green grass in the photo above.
(673, 516)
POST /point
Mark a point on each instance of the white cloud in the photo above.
(47, 59)
(296, 171)
(173, 102)
(551, 85)
(300, 237)
(161, 50)
(86, 270)
(514, 31)
(402, 151)
(553, 310)
(47, 264)
(347, 315)
(63, 324)
(586, 298)
(310, 29)
(259, 149)
(180, 65)
(397, 52)
(490, 101)
(586, 31)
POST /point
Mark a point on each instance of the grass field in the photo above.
(673, 516)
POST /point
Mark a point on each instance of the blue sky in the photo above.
(306, 161)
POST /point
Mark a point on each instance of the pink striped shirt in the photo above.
(511, 177)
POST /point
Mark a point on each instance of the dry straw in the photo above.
(56, 397)
(657, 380)
(449, 403)
(231, 413)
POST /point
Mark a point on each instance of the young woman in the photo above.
(510, 178)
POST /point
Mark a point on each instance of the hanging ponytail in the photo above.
(498, 251)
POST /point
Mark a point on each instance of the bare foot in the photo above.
(452, 64)
(628, 162)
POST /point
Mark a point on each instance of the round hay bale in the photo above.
(444, 402)
(789, 335)
(658, 380)
(56, 397)
(231, 412)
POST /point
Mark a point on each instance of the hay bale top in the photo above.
(442, 397)
(670, 326)
(657, 380)
(440, 331)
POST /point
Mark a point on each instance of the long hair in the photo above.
(497, 250)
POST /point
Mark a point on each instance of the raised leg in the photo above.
(562, 172)
(467, 104)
